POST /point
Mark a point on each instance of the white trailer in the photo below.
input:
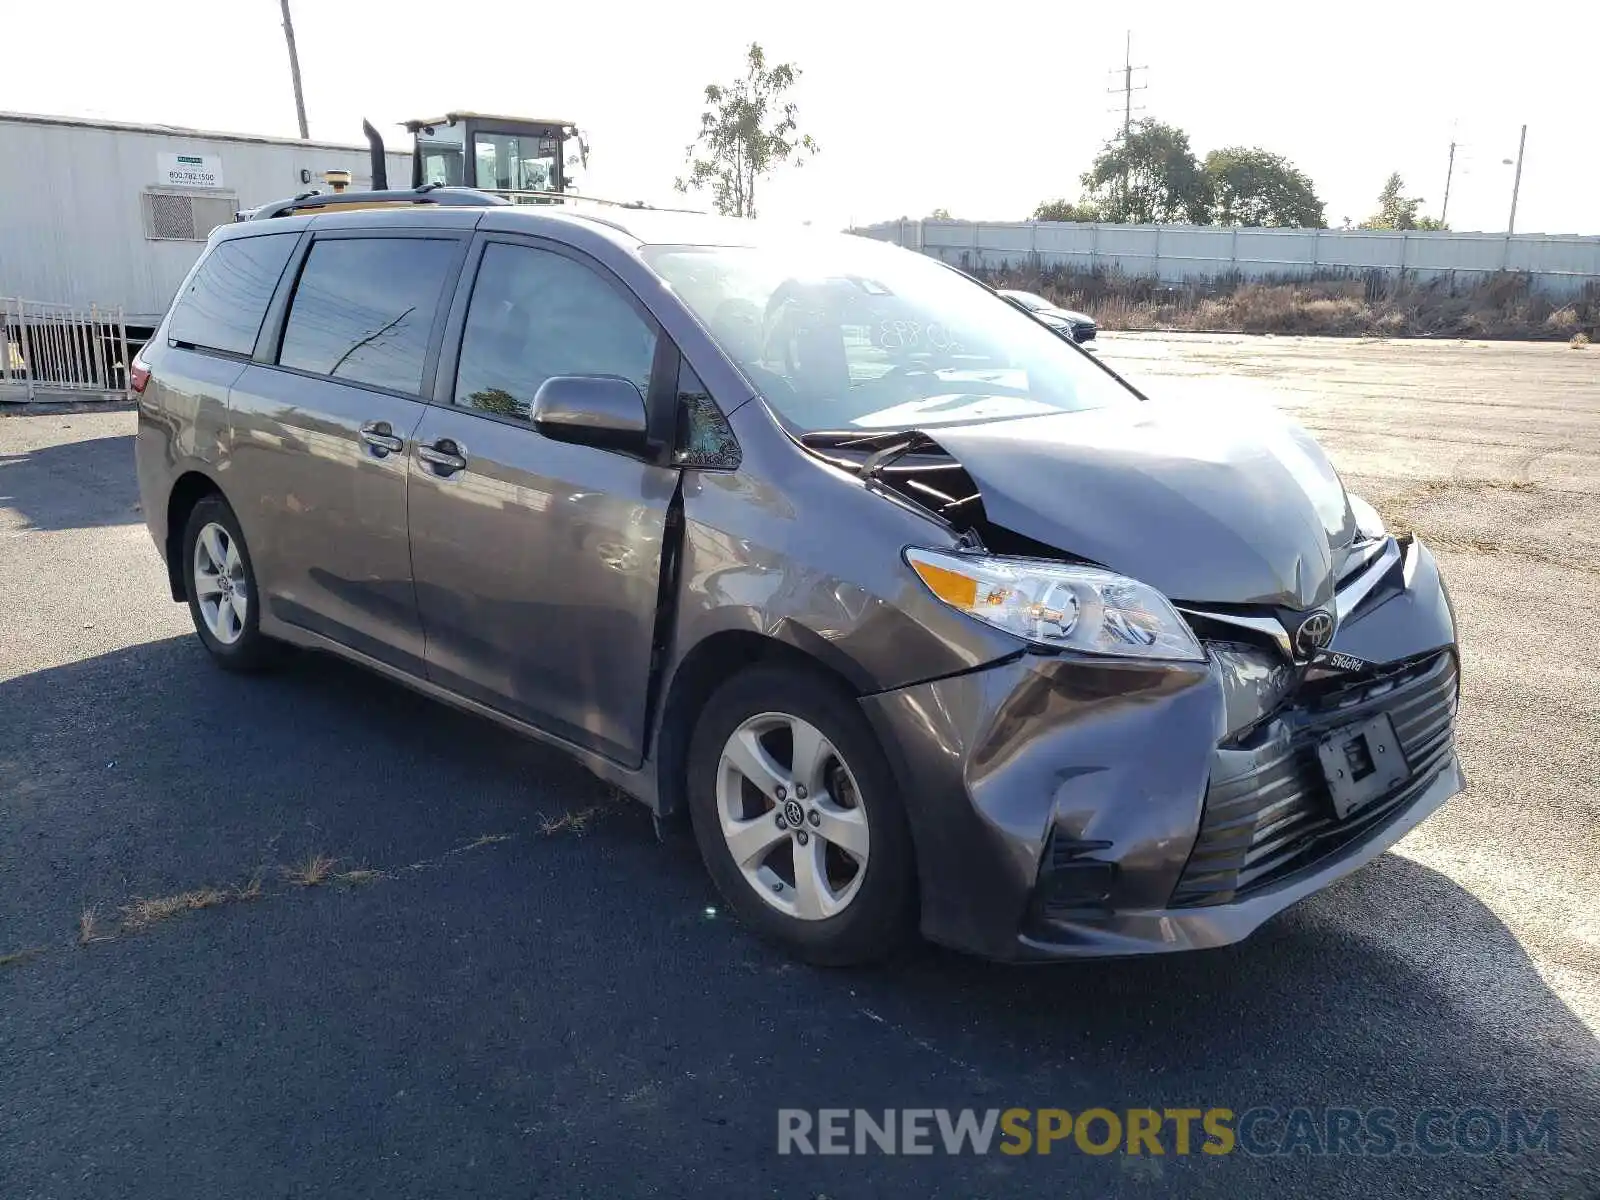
(107, 215)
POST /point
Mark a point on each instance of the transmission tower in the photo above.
(1126, 89)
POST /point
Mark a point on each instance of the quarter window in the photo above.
(535, 314)
(227, 298)
(364, 309)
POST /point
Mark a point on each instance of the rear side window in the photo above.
(227, 298)
(364, 308)
(534, 314)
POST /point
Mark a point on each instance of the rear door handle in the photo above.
(380, 436)
(444, 456)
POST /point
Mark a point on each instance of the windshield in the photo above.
(847, 333)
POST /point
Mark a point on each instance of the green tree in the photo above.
(1150, 176)
(1066, 210)
(940, 214)
(747, 131)
(1251, 186)
(1396, 210)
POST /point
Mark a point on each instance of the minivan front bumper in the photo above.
(1069, 807)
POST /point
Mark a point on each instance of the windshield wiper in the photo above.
(910, 441)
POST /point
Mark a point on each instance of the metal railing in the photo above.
(60, 348)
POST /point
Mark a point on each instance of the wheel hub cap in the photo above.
(806, 860)
(219, 584)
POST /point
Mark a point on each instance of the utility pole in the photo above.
(1516, 184)
(294, 70)
(1445, 210)
(1127, 90)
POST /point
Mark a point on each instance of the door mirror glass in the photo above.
(603, 411)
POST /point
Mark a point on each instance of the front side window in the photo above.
(227, 298)
(535, 314)
(364, 308)
(511, 162)
(844, 333)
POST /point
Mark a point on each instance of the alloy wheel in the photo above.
(220, 587)
(790, 811)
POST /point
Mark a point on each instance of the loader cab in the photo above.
(512, 156)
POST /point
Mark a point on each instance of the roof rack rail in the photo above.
(538, 197)
(428, 193)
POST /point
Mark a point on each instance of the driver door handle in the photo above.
(380, 436)
(444, 456)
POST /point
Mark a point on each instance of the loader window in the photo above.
(514, 162)
(442, 164)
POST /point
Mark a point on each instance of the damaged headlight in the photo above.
(1059, 604)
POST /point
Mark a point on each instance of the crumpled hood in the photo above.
(1208, 504)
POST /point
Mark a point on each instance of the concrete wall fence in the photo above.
(1559, 264)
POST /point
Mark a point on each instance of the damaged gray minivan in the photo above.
(925, 618)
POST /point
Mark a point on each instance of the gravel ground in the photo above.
(504, 986)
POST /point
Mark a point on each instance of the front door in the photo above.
(537, 563)
(320, 440)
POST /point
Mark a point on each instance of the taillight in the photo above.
(138, 377)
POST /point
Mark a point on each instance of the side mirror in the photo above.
(603, 411)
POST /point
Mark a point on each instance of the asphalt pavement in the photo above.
(311, 934)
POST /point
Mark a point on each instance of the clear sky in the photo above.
(980, 109)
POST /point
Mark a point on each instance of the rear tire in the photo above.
(220, 583)
(799, 820)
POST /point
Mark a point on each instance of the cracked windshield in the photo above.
(841, 336)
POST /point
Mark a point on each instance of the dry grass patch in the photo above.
(357, 876)
(575, 821)
(17, 957)
(89, 927)
(314, 871)
(143, 913)
(1504, 304)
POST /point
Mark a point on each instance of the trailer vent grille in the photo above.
(181, 217)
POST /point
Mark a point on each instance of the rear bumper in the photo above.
(1066, 807)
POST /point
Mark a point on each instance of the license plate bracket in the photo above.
(1362, 762)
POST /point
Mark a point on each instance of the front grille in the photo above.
(1268, 811)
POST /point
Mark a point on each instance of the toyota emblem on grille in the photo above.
(1315, 632)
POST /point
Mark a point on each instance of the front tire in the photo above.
(220, 582)
(798, 818)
